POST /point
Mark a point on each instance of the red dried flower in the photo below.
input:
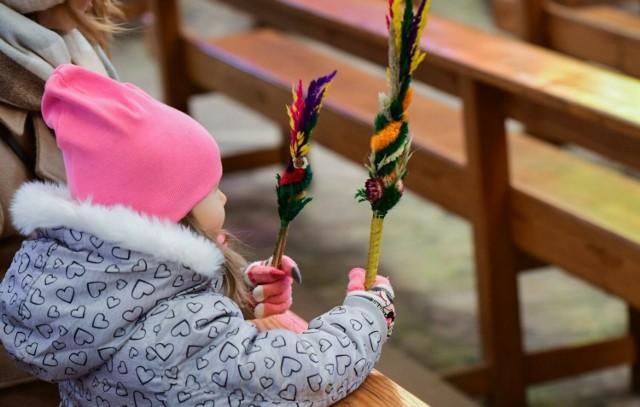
(374, 189)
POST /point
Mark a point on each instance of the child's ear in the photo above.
(221, 239)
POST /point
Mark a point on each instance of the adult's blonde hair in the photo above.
(100, 22)
(234, 263)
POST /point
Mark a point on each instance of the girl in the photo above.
(121, 302)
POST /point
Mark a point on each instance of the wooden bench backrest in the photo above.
(603, 33)
(549, 93)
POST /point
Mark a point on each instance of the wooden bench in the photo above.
(537, 83)
(601, 33)
(518, 192)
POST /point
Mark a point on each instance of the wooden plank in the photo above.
(548, 123)
(603, 34)
(260, 78)
(377, 389)
(494, 251)
(577, 215)
(604, 100)
(595, 30)
(551, 364)
(569, 361)
(600, 196)
(473, 379)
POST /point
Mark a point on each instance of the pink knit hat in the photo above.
(122, 147)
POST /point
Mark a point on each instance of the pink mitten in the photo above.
(270, 287)
(381, 294)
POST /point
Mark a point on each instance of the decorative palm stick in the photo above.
(391, 143)
(292, 184)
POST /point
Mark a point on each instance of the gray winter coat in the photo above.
(120, 309)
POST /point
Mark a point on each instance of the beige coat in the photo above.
(28, 54)
(32, 134)
(29, 130)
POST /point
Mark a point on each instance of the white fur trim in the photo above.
(44, 205)
(29, 6)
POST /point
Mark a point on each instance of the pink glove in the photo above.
(380, 293)
(270, 287)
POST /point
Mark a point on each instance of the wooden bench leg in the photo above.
(524, 18)
(634, 331)
(171, 54)
(494, 250)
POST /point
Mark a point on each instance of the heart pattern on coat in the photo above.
(104, 306)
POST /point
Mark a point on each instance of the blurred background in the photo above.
(426, 251)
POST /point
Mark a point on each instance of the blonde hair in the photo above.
(99, 23)
(234, 263)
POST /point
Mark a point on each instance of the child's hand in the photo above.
(381, 293)
(270, 287)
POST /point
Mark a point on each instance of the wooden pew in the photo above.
(518, 192)
(601, 33)
(543, 81)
